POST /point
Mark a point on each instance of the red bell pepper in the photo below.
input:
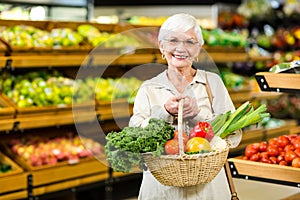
(202, 129)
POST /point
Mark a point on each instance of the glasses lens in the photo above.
(176, 42)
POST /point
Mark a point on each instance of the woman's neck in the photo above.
(181, 77)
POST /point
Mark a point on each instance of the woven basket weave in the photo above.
(187, 170)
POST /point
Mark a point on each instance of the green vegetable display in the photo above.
(245, 115)
(123, 149)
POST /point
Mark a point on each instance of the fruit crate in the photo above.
(14, 50)
(113, 108)
(30, 111)
(14, 180)
(83, 48)
(51, 110)
(267, 171)
(60, 171)
(7, 111)
(224, 49)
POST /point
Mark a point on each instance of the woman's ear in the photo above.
(160, 46)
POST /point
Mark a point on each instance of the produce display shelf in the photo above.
(78, 59)
(260, 134)
(273, 173)
(63, 60)
(13, 181)
(51, 120)
(3, 62)
(23, 194)
(38, 191)
(7, 125)
(6, 111)
(63, 172)
(278, 82)
(118, 108)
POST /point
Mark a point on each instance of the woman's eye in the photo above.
(173, 41)
(190, 42)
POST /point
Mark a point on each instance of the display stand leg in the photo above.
(29, 187)
(109, 185)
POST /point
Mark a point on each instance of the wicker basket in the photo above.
(187, 170)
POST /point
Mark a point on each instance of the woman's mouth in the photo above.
(181, 57)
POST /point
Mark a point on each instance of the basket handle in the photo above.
(180, 123)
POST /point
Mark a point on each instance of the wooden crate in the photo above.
(66, 171)
(224, 49)
(50, 111)
(83, 48)
(7, 111)
(118, 108)
(30, 111)
(13, 180)
(264, 170)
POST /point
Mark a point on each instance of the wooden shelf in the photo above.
(242, 96)
(258, 134)
(278, 82)
(273, 172)
(47, 60)
(78, 59)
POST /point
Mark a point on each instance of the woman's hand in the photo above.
(190, 107)
(172, 104)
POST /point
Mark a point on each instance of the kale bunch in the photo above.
(123, 149)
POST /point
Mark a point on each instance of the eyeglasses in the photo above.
(187, 43)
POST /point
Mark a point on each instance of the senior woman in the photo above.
(180, 41)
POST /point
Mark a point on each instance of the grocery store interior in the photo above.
(70, 69)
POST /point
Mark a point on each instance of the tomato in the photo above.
(273, 159)
(279, 158)
(288, 147)
(172, 147)
(264, 154)
(297, 152)
(296, 162)
(197, 144)
(202, 129)
(265, 160)
(292, 136)
(273, 141)
(282, 141)
(255, 157)
(272, 150)
(250, 150)
(296, 142)
(185, 137)
(289, 156)
(283, 162)
(263, 146)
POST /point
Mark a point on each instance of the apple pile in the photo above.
(44, 88)
(281, 150)
(38, 150)
(29, 36)
(105, 39)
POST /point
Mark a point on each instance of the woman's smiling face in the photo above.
(180, 49)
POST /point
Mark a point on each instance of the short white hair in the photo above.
(181, 22)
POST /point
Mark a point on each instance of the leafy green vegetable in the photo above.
(243, 117)
(123, 149)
